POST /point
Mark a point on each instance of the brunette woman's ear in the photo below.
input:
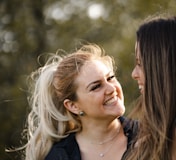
(71, 106)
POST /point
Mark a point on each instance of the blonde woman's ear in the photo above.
(70, 105)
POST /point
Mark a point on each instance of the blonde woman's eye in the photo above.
(111, 77)
(95, 87)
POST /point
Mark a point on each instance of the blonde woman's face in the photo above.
(137, 72)
(99, 92)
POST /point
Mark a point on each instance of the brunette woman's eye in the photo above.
(138, 63)
(95, 87)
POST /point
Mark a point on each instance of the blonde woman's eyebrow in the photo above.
(92, 83)
(98, 81)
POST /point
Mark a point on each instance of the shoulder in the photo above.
(65, 149)
(129, 124)
(130, 128)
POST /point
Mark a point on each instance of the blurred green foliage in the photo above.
(29, 28)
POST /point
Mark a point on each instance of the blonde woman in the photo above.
(77, 108)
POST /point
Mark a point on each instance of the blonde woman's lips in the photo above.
(111, 101)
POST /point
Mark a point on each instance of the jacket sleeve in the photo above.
(66, 149)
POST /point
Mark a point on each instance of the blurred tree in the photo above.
(29, 28)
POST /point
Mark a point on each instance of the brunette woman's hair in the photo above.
(156, 40)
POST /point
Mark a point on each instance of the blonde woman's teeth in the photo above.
(112, 100)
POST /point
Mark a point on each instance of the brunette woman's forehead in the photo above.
(136, 46)
(137, 50)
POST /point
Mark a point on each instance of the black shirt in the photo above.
(68, 149)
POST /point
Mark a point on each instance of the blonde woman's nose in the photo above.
(110, 88)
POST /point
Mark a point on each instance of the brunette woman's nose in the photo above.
(134, 74)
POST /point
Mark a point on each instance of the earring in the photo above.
(81, 113)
